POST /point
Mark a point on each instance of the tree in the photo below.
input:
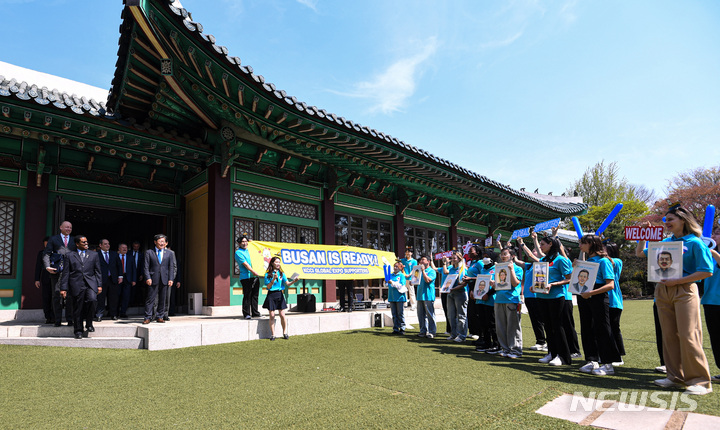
(602, 187)
(695, 190)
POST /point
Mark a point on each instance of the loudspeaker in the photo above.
(306, 303)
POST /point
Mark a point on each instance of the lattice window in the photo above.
(267, 232)
(242, 228)
(260, 203)
(288, 234)
(300, 210)
(7, 235)
(308, 235)
(255, 202)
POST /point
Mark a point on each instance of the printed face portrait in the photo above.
(583, 277)
(503, 276)
(664, 260)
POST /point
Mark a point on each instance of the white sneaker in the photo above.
(666, 383)
(475, 337)
(546, 359)
(511, 355)
(589, 367)
(556, 361)
(503, 354)
(459, 339)
(576, 355)
(605, 369)
(451, 338)
(619, 363)
(661, 369)
(421, 334)
(538, 347)
(715, 378)
(429, 336)
(697, 390)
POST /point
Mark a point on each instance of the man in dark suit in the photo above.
(137, 259)
(42, 281)
(57, 246)
(160, 269)
(110, 267)
(126, 280)
(82, 277)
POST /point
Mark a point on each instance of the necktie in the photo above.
(122, 257)
(65, 238)
(160, 256)
(82, 254)
(107, 260)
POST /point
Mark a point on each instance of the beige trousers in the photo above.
(679, 313)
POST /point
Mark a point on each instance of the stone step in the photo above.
(70, 341)
(125, 330)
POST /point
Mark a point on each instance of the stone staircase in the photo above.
(116, 336)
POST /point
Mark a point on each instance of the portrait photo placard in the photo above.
(502, 277)
(665, 260)
(482, 286)
(540, 283)
(583, 277)
(415, 275)
(448, 283)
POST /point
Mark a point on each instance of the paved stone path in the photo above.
(637, 414)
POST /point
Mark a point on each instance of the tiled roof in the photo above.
(195, 27)
(11, 87)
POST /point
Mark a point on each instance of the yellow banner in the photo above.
(321, 261)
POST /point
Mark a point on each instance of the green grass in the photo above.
(351, 379)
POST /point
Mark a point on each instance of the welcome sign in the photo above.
(321, 261)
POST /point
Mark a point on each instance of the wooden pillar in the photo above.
(453, 236)
(399, 223)
(36, 204)
(219, 238)
(328, 229)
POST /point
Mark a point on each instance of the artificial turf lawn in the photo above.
(363, 378)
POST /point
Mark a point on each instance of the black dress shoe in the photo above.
(91, 329)
(98, 319)
(58, 324)
(70, 323)
(123, 316)
(115, 318)
(78, 335)
(49, 321)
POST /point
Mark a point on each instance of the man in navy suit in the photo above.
(160, 269)
(110, 267)
(81, 276)
(137, 259)
(57, 246)
(127, 278)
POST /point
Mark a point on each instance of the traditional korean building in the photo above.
(195, 144)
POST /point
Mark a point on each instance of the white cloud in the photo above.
(501, 43)
(390, 89)
(567, 12)
(312, 4)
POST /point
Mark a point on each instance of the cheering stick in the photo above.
(618, 207)
(578, 229)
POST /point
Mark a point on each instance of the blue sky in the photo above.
(528, 93)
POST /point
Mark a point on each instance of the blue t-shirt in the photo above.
(409, 263)
(605, 271)
(696, 255)
(442, 274)
(393, 293)
(616, 299)
(712, 288)
(426, 290)
(527, 282)
(279, 283)
(243, 256)
(513, 294)
(559, 268)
